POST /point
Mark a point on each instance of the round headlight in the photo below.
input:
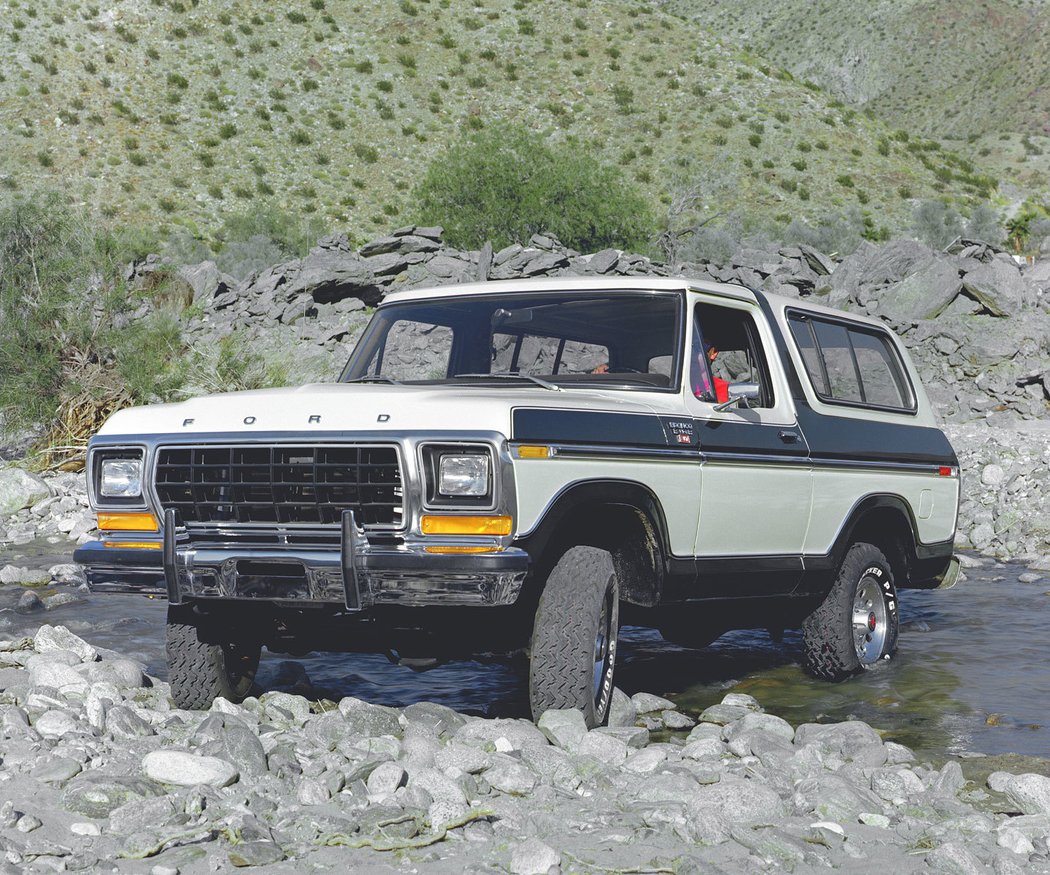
(120, 478)
(460, 475)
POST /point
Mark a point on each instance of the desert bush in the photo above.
(506, 184)
(68, 352)
(984, 225)
(936, 224)
(837, 233)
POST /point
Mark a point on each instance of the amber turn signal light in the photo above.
(466, 525)
(127, 522)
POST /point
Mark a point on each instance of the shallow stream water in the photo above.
(971, 674)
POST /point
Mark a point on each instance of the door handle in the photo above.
(788, 437)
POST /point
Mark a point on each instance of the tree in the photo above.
(506, 184)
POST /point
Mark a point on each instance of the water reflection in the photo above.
(970, 675)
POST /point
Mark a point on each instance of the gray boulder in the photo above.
(20, 489)
(206, 280)
(183, 769)
(331, 275)
(741, 801)
(997, 286)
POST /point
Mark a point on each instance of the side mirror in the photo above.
(741, 394)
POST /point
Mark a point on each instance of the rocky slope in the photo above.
(176, 113)
(966, 72)
(100, 769)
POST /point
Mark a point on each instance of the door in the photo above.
(757, 479)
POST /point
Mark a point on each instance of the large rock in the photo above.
(49, 638)
(997, 286)
(924, 294)
(1030, 793)
(20, 489)
(206, 280)
(741, 801)
(331, 274)
(565, 727)
(183, 769)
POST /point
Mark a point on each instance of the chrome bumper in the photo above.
(356, 576)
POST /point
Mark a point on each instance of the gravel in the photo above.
(97, 771)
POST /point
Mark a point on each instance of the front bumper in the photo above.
(356, 576)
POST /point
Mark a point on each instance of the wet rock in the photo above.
(676, 721)
(723, 713)
(765, 722)
(29, 603)
(647, 703)
(183, 769)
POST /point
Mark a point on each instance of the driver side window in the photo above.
(726, 352)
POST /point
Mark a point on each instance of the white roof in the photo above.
(573, 284)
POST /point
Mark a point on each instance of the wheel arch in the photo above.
(624, 517)
(887, 521)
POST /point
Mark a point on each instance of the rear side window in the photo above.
(852, 364)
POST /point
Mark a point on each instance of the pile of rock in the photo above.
(973, 318)
(52, 507)
(98, 765)
(1005, 507)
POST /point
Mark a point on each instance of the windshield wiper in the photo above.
(374, 378)
(528, 377)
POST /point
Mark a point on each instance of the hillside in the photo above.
(179, 112)
(967, 71)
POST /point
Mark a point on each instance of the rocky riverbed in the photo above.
(99, 769)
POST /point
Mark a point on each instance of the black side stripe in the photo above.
(847, 439)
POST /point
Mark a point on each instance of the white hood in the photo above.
(371, 407)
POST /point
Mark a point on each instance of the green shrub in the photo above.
(368, 154)
(54, 347)
(936, 224)
(507, 183)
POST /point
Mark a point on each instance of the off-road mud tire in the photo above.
(829, 648)
(199, 672)
(565, 634)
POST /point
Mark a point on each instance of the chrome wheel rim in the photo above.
(870, 621)
(604, 652)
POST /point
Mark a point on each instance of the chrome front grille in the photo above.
(281, 484)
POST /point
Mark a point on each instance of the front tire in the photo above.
(856, 626)
(575, 636)
(199, 672)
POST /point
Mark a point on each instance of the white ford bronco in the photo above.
(524, 466)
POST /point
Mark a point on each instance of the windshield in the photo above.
(563, 338)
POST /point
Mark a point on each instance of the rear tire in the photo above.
(575, 636)
(199, 673)
(856, 626)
